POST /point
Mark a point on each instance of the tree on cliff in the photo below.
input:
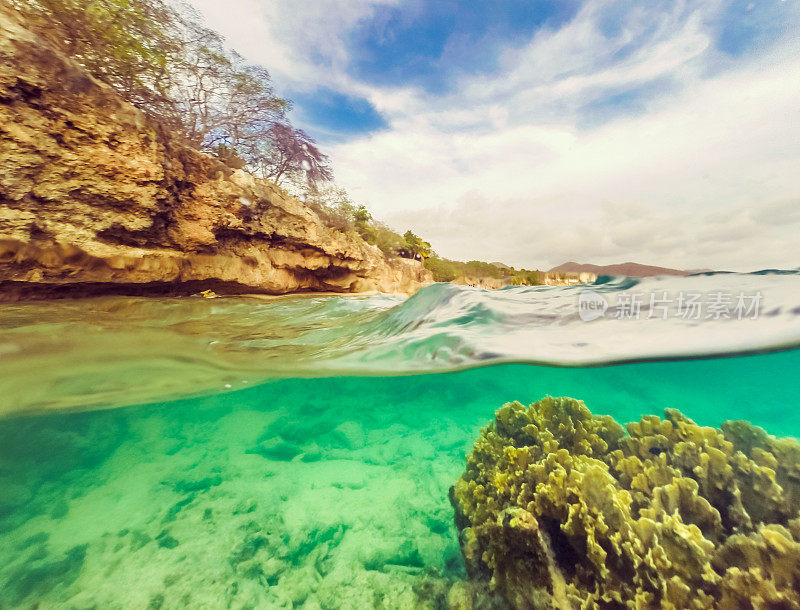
(224, 100)
(416, 247)
(160, 58)
(128, 44)
(288, 153)
(334, 206)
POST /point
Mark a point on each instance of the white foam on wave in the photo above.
(642, 319)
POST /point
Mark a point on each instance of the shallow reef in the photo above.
(562, 508)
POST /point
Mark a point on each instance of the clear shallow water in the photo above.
(300, 492)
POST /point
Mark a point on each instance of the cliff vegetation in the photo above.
(161, 58)
(129, 139)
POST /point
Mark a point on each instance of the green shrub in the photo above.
(481, 269)
(532, 278)
(390, 242)
(442, 269)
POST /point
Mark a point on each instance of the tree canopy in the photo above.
(287, 152)
(416, 246)
(445, 270)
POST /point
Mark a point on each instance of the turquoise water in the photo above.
(328, 493)
(297, 492)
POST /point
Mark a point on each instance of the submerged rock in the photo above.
(562, 508)
(350, 435)
(276, 448)
(40, 574)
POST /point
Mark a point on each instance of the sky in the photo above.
(537, 132)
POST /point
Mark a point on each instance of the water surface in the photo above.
(119, 351)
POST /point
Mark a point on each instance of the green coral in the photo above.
(562, 508)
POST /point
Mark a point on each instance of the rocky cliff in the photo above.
(95, 199)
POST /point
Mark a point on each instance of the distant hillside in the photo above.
(631, 269)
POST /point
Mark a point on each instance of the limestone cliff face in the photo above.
(95, 199)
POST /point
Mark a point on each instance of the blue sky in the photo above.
(428, 44)
(432, 44)
(333, 116)
(425, 44)
(612, 118)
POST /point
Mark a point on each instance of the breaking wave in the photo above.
(95, 353)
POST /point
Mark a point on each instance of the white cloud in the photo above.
(674, 185)
(302, 43)
(504, 168)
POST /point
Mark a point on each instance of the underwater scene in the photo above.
(461, 448)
